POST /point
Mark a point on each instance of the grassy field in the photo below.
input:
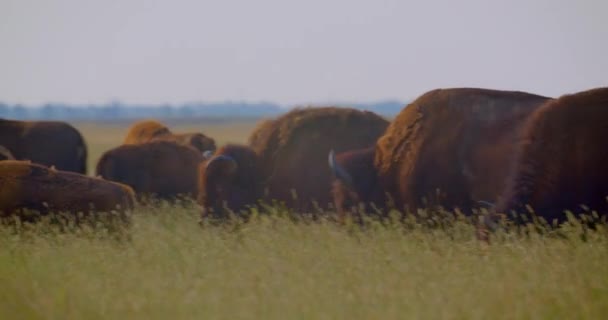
(272, 268)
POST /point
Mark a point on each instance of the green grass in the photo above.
(273, 268)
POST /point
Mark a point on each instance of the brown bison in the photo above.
(459, 141)
(5, 154)
(163, 169)
(51, 143)
(286, 159)
(144, 131)
(152, 130)
(561, 160)
(26, 185)
(198, 141)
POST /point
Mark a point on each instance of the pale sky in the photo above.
(145, 51)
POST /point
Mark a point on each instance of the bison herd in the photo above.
(458, 149)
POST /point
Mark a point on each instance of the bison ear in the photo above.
(338, 171)
(222, 164)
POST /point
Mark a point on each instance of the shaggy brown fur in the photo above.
(261, 131)
(291, 153)
(25, 185)
(144, 131)
(5, 154)
(51, 143)
(459, 141)
(561, 162)
(153, 130)
(159, 168)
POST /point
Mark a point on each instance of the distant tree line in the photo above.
(118, 111)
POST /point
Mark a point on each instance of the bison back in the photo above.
(161, 168)
(25, 185)
(560, 162)
(452, 146)
(195, 140)
(293, 149)
(144, 131)
(51, 143)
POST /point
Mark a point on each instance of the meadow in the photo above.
(274, 268)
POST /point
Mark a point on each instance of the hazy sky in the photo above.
(145, 51)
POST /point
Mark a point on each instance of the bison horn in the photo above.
(338, 171)
(208, 154)
(486, 203)
(216, 161)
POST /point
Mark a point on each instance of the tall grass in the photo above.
(168, 267)
(274, 268)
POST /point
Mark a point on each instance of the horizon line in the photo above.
(116, 102)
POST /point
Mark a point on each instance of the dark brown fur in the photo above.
(561, 161)
(25, 185)
(291, 155)
(5, 154)
(51, 143)
(198, 141)
(364, 189)
(161, 168)
(457, 140)
(238, 188)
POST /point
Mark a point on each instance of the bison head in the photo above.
(355, 182)
(228, 181)
(197, 140)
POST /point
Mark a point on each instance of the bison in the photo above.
(163, 169)
(561, 159)
(152, 130)
(5, 154)
(285, 159)
(26, 185)
(196, 140)
(144, 131)
(459, 141)
(51, 143)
